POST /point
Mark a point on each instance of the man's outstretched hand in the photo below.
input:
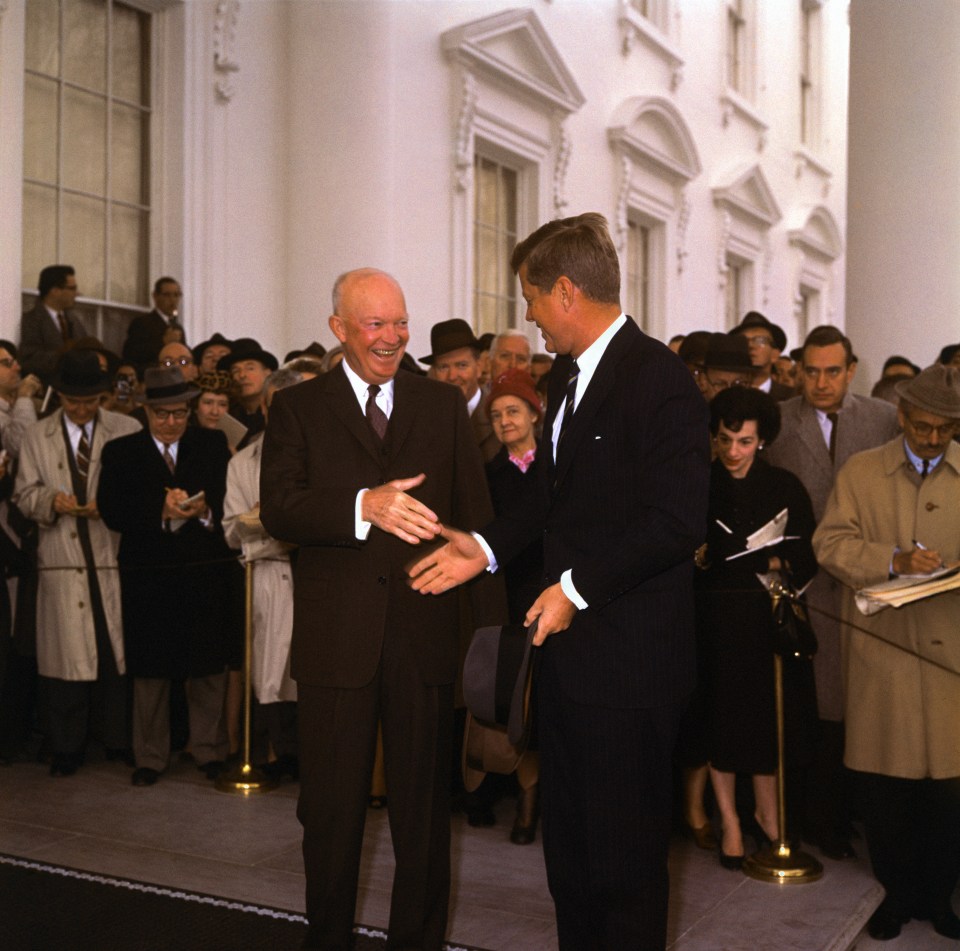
(392, 510)
(450, 565)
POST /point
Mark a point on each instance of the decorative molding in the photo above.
(623, 202)
(225, 62)
(818, 236)
(650, 131)
(766, 271)
(726, 227)
(683, 220)
(636, 28)
(807, 161)
(464, 144)
(564, 148)
(749, 196)
(733, 105)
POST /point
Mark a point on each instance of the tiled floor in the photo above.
(184, 833)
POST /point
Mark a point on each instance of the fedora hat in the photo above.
(78, 374)
(728, 353)
(450, 335)
(496, 678)
(935, 390)
(165, 385)
(246, 348)
(754, 320)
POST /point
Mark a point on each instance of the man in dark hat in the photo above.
(895, 511)
(162, 489)
(767, 341)
(208, 354)
(80, 650)
(455, 358)
(147, 333)
(249, 365)
(726, 363)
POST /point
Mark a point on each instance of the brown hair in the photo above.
(826, 336)
(579, 248)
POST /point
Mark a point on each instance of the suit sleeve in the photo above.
(126, 502)
(31, 494)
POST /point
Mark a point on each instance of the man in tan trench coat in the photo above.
(79, 635)
(895, 511)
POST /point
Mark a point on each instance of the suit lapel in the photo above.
(590, 401)
(344, 404)
(812, 437)
(405, 409)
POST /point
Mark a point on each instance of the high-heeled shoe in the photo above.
(733, 863)
(704, 836)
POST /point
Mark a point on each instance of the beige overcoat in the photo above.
(902, 714)
(66, 642)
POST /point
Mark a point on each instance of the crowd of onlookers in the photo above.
(131, 492)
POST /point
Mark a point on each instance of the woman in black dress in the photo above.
(735, 617)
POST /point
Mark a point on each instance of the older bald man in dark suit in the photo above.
(360, 465)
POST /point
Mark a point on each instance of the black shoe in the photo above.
(118, 755)
(733, 863)
(212, 769)
(144, 776)
(885, 923)
(64, 764)
(946, 923)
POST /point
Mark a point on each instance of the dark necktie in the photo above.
(568, 404)
(83, 453)
(833, 417)
(376, 417)
(168, 459)
(926, 468)
(64, 326)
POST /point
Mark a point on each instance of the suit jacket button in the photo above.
(930, 506)
(381, 580)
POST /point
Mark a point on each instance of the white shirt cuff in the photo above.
(488, 551)
(566, 586)
(361, 528)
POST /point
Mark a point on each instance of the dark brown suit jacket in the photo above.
(318, 453)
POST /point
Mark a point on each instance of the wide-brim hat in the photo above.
(315, 349)
(165, 385)
(728, 353)
(755, 320)
(486, 749)
(693, 348)
(217, 340)
(78, 373)
(496, 677)
(450, 335)
(935, 390)
(246, 348)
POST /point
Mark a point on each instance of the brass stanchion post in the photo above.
(246, 779)
(780, 863)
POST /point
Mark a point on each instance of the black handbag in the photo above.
(793, 635)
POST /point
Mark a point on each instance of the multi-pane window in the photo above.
(638, 273)
(495, 234)
(737, 46)
(86, 188)
(809, 37)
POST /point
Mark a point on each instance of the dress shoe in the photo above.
(144, 776)
(733, 863)
(946, 923)
(705, 837)
(212, 769)
(64, 764)
(885, 923)
(524, 829)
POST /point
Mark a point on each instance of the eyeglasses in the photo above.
(724, 384)
(177, 414)
(945, 431)
(8, 362)
(182, 362)
(760, 341)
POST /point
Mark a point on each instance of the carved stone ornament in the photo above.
(464, 147)
(564, 148)
(225, 62)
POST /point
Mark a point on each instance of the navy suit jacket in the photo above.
(624, 506)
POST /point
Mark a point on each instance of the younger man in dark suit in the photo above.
(49, 327)
(623, 510)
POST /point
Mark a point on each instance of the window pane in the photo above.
(42, 51)
(40, 129)
(130, 47)
(128, 257)
(85, 43)
(486, 188)
(84, 141)
(127, 152)
(39, 231)
(83, 242)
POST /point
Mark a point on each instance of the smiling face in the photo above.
(372, 325)
(737, 450)
(513, 420)
(460, 367)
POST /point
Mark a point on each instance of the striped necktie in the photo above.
(83, 453)
(569, 401)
